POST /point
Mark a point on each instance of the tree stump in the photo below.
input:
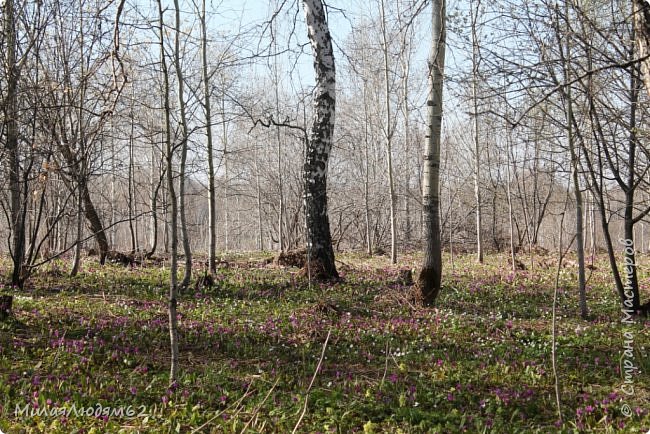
(292, 258)
(5, 306)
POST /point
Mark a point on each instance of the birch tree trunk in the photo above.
(319, 144)
(641, 12)
(431, 274)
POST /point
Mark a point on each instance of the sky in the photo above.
(255, 13)
(228, 17)
(249, 13)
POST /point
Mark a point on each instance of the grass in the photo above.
(479, 362)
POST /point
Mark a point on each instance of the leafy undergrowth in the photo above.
(480, 362)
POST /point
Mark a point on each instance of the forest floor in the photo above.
(250, 346)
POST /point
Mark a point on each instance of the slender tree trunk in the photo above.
(509, 169)
(212, 199)
(510, 210)
(389, 140)
(430, 277)
(477, 149)
(169, 157)
(113, 226)
(165, 208)
(155, 188)
(258, 188)
(184, 138)
(451, 233)
(366, 179)
(131, 186)
(278, 137)
(319, 143)
(632, 280)
(92, 216)
(580, 244)
(611, 255)
(17, 213)
(80, 165)
(598, 190)
(405, 62)
(95, 223)
(226, 181)
(76, 262)
(592, 226)
(575, 165)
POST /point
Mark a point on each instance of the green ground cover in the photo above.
(479, 362)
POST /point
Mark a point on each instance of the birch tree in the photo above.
(641, 12)
(319, 142)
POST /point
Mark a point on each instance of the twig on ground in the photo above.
(313, 378)
(383, 378)
(235, 404)
(259, 407)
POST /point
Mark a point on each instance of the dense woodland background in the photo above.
(87, 116)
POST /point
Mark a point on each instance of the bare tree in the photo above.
(388, 133)
(212, 190)
(187, 250)
(319, 144)
(430, 277)
(10, 108)
(565, 55)
(171, 189)
(474, 13)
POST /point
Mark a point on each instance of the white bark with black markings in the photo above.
(641, 11)
(319, 143)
